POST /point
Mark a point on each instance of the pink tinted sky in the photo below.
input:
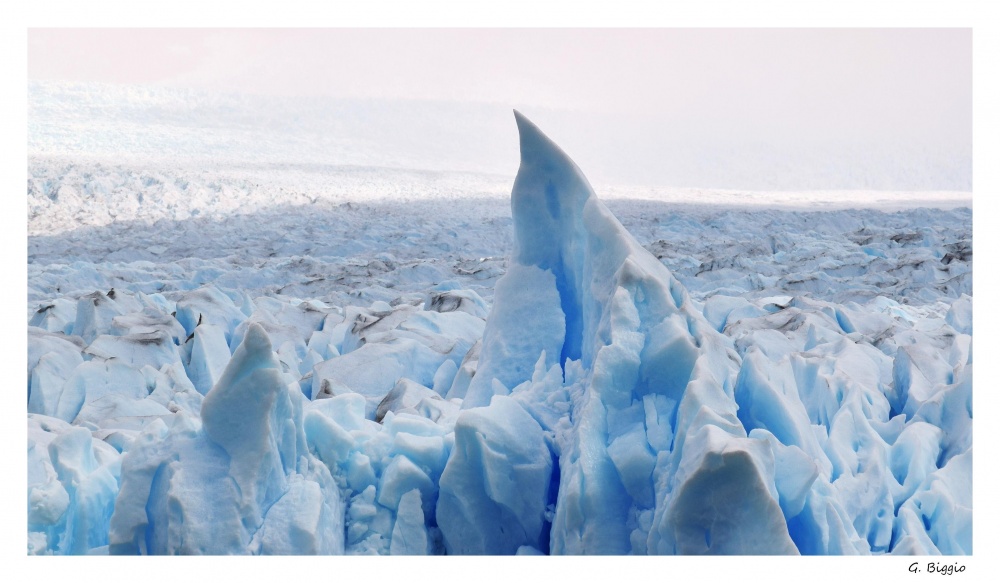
(836, 83)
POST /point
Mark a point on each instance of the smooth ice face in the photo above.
(508, 355)
(495, 488)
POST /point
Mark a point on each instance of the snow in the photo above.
(257, 358)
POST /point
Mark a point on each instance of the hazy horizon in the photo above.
(723, 108)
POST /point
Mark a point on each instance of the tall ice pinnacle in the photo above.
(655, 459)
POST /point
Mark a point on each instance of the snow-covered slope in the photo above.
(326, 376)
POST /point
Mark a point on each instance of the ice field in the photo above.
(241, 355)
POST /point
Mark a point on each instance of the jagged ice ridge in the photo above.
(596, 408)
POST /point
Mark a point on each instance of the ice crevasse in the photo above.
(597, 411)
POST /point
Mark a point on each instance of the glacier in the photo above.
(678, 390)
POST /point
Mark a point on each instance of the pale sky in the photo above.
(903, 92)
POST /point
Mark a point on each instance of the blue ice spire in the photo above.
(655, 418)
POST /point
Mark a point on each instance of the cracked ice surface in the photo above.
(381, 379)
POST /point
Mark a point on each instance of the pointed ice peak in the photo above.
(537, 148)
(248, 413)
(547, 200)
(543, 158)
(562, 230)
(249, 383)
(253, 353)
(256, 339)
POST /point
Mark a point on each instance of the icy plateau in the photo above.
(723, 382)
